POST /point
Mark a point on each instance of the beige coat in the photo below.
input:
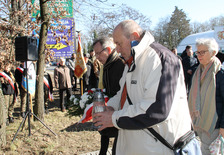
(62, 77)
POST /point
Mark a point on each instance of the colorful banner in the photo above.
(61, 41)
(80, 65)
(60, 37)
(63, 7)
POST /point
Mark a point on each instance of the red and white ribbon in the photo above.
(50, 95)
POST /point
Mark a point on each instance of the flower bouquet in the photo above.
(83, 105)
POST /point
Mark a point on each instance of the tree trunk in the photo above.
(39, 106)
(14, 7)
(2, 119)
(20, 18)
(14, 20)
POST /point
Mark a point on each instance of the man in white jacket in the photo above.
(152, 95)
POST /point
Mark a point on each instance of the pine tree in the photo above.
(178, 28)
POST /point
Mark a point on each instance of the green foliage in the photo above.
(84, 49)
(178, 28)
(89, 46)
(95, 35)
(172, 30)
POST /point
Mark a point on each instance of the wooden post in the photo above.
(81, 86)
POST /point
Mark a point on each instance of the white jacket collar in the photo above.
(144, 44)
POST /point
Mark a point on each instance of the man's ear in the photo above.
(109, 49)
(135, 36)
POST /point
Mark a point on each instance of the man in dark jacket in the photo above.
(95, 70)
(19, 72)
(184, 53)
(9, 90)
(48, 90)
(71, 66)
(190, 64)
(113, 67)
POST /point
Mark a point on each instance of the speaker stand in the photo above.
(28, 113)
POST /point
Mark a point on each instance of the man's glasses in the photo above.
(201, 53)
(98, 53)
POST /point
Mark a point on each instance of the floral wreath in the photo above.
(83, 105)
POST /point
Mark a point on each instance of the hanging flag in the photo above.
(80, 65)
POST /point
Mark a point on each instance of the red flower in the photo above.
(106, 99)
(90, 91)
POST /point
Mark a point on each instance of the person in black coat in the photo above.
(86, 75)
(190, 64)
(9, 90)
(48, 90)
(113, 67)
(19, 73)
(95, 70)
(184, 53)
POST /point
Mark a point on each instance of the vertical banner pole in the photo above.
(81, 86)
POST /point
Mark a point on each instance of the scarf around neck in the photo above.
(202, 102)
(112, 57)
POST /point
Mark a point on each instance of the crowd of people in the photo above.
(14, 87)
(151, 89)
(168, 93)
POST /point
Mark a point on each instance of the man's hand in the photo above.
(103, 119)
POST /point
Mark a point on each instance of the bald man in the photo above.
(152, 95)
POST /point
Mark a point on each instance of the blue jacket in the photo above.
(220, 98)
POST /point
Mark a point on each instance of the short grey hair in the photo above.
(105, 42)
(210, 43)
(130, 26)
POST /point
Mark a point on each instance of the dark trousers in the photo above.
(106, 134)
(75, 79)
(23, 98)
(62, 96)
(105, 143)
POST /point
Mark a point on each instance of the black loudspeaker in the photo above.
(26, 49)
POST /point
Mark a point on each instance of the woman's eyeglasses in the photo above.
(201, 53)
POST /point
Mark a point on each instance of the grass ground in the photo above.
(71, 139)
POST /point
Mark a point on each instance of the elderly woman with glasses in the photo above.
(206, 98)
